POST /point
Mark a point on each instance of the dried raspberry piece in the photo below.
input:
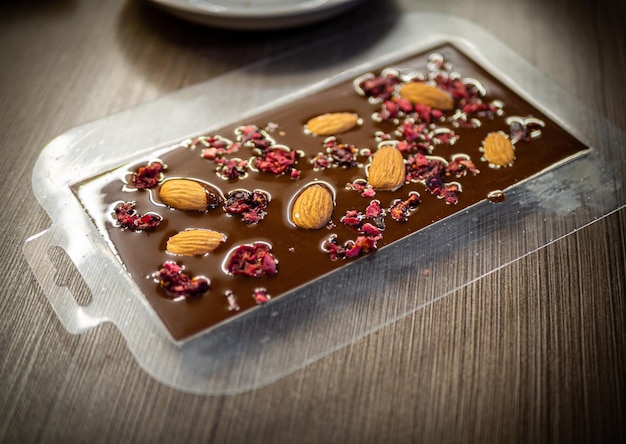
(178, 285)
(215, 146)
(460, 120)
(336, 155)
(250, 205)
(362, 244)
(412, 131)
(426, 114)
(277, 161)
(253, 136)
(370, 230)
(261, 296)
(524, 129)
(352, 218)
(361, 186)
(460, 166)
(254, 260)
(478, 108)
(321, 161)
(148, 176)
(231, 301)
(341, 154)
(401, 209)
(127, 217)
(381, 87)
(435, 184)
(334, 249)
(374, 210)
(457, 87)
(444, 136)
(450, 193)
(232, 168)
(446, 191)
(394, 108)
(414, 136)
(376, 214)
(421, 168)
(368, 233)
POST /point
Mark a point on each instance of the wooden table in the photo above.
(534, 352)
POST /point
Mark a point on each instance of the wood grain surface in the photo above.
(534, 352)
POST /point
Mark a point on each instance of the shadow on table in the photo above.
(216, 51)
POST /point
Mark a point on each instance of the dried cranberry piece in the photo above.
(254, 260)
(148, 176)
(127, 217)
(177, 284)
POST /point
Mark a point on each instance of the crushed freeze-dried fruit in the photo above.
(253, 260)
(250, 205)
(127, 217)
(148, 176)
(179, 285)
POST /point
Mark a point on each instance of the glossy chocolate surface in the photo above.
(300, 256)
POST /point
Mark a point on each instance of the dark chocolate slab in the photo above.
(299, 252)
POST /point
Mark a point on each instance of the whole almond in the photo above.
(429, 95)
(187, 195)
(387, 170)
(313, 207)
(195, 242)
(332, 123)
(498, 149)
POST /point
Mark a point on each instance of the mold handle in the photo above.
(74, 317)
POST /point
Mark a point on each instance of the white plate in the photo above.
(255, 14)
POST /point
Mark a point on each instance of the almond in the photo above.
(187, 195)
(195, 242)
(498, 149)
(387, 170)
(313, 207)
(332, 123)
(429, 95)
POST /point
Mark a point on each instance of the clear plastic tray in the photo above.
(340, 308)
